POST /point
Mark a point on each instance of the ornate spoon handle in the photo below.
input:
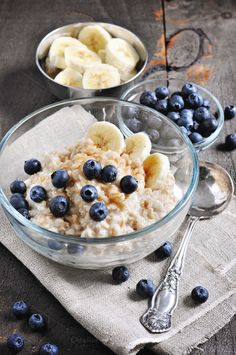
(157, 318)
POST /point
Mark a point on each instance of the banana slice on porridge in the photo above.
(138, 146)
(157, 168)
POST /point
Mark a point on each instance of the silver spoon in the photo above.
(213, 194)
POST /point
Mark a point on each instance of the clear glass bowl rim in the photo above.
(105, 240)
(207, 142)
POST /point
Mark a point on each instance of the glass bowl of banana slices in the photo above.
(85, 192)
(90, 59)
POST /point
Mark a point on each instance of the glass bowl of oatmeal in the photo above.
(140, 192)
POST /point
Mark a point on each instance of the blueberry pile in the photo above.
(60, 204)
(187, 108)
(36, 322)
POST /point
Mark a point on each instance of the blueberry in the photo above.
(230, 141)
(89, 193)
(38, 194)
(32, 166)
(230, 112)
(195, 100)
(20, 309)
(188, 89)
(18, 201)
(59, 206)
(186, 113)
(200, 294)
(154, 122)
(201, 114)
(15, 342)
(173, 116)
(195, 137)
(208, 126)
(55, 244)
(179, 93)
(161, 105)
(147, 98)
(120, 274)
(98, 211)
(153, 135)
(48, 349)
(134, 125)
(109, 173)
(92, 169)
(75, 249)
(145, 288)
(60, 178)
(36, 321)
(18, 186)
(164, 251)
(162, 92)
(206, 103)
(185, 121)
(128, 184)
(195, 126)
(184, 130)
(176, 102)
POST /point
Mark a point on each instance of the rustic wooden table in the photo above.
(195, 40)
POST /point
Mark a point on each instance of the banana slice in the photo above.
(101, 76)
(57, 50)
(95, 37)
(102, 55)
(80, 58)
(121, 54)
(125, 76)
(69, 77)
(50, 69)
(157, 168)
(107, 136)
(138, 146)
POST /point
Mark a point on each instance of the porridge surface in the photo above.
(127, 212)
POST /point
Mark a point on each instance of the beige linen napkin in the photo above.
(111, 312)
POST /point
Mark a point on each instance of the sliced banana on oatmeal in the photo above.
(56, 53)
(138, 146)
(157, 168)
(69, 77)
(95, 37)
(107, 136)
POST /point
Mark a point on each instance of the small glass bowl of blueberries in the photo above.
(193, 108)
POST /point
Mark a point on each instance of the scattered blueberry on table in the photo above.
(230, 141)
(49, 349)
(18, 186)
(120, 274)
(15, 342)
(36, 321)
(32, 166)
(164, 251)
(60, 178)
(89, 193)
(59, 205)
(92, 169)
(145, 288)
(128, 184)
(200, 294)
(98, 211)
(38, 194)
(20, 309)
(230, 112)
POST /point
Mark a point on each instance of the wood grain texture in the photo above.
(23, 24)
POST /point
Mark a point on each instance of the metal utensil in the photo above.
(213, 194)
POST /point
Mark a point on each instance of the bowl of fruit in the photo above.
(90, 59)
(85, 195)
(194, 109)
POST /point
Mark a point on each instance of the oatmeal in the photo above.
(126, 195)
